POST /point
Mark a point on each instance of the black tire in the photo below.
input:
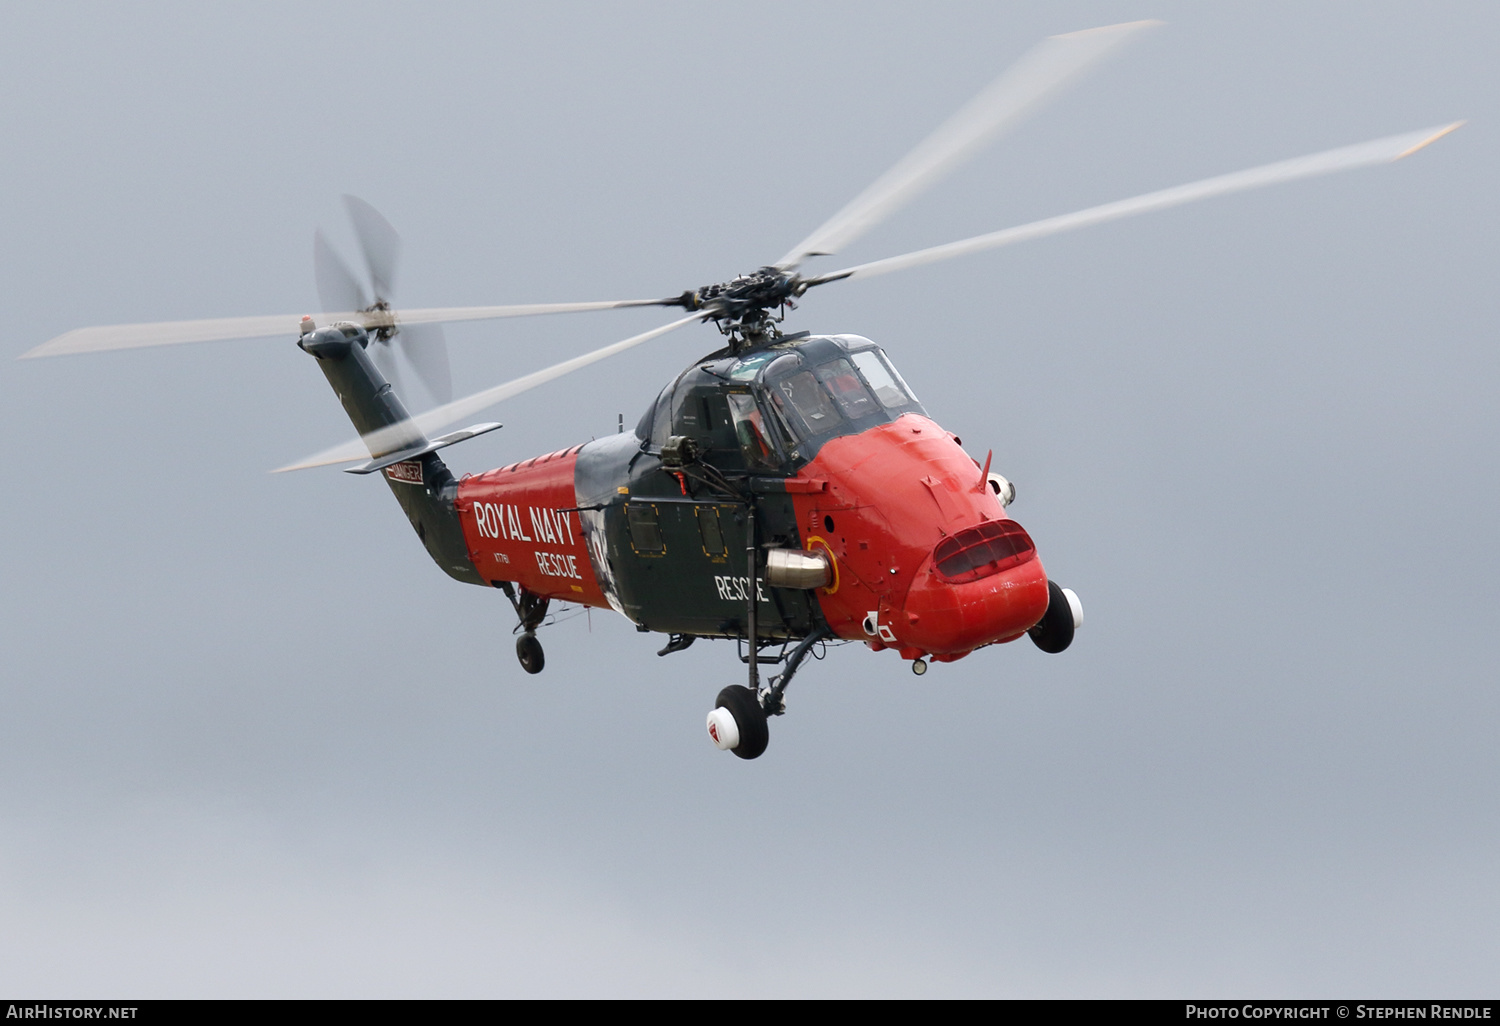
(1054, 632)
(529, 651)
(744, 706)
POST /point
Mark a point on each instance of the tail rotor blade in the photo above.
(338, 288)
(378, 241)
(427, 351)
(383, 355)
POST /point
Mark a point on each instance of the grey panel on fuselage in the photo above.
(598, 471)
(601, 467)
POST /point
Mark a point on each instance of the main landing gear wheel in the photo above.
(738, 723)
(1054, 632)
(529, 651)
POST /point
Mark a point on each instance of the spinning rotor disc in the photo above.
(742, 307)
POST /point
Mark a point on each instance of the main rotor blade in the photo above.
(167, 333)
(1378, 151)
(450, 314)
(379, 243)
(427, 351)
(1041, 72)
(389, 439)
(338, 289)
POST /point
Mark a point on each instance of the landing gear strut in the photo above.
(739, 720)
(531, 608)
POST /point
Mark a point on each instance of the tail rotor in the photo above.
(421, 346)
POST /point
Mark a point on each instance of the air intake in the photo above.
(981, 551)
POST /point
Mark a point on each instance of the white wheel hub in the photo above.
(1074, 606)
(722, 730)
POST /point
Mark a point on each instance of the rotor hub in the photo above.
(382, 332)
(742, 306)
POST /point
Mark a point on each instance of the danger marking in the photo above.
(407, 472)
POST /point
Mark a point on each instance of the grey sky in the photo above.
(253, 743)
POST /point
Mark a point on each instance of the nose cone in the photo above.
(926, 559)
(943, 617)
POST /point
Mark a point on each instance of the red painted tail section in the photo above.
(516, 528)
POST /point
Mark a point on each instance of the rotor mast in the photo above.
(741, 308)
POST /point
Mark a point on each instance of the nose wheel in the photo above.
(1054, 631)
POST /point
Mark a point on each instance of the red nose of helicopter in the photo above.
(980, 585)
(929, 561)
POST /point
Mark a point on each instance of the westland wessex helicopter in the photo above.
(785, 490)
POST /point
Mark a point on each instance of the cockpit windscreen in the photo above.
(837, 395)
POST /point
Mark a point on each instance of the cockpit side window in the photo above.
(661, 427)
(750, 429)
(689, 416)
(804, 404)
(882, 379)
(651, 424)
(847, 389)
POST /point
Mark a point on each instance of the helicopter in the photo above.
(785, 491)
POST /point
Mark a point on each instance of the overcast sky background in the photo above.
(253, 743)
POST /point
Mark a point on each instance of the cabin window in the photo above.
(712, 532)
(645, 528)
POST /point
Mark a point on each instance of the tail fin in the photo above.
(420, 480)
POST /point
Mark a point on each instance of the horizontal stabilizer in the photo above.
(421, 450)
